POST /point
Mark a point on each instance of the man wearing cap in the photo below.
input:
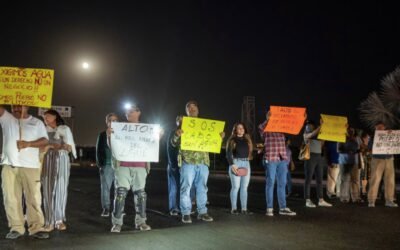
(194, 171)
(23, 136)
(130, 175)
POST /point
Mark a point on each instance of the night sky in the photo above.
(327, 58)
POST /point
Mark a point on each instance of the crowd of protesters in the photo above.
(36, 168)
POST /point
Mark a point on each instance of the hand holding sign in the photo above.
(135, 142)
(285, 119)
(386, 142)
(333, 128)
(201, 134)
(24, 86)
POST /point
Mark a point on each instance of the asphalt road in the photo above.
(344, 226)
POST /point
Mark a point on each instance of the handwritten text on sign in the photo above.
(201, 134)
(288, 120)
(24, 86)
(386, 142)
(333, 128)
(135, 142)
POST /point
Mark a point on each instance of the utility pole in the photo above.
(249, 115)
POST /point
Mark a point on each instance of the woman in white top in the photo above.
(56, 170)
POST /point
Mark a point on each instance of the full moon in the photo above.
(85, 65)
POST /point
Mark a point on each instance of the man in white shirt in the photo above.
(23, 135)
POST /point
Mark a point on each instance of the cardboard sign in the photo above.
(386, 142)
(135, 142)
(288, 120)
(201, 134)
(28, 87)
(333, 128)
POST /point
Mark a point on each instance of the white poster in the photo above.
(64, 111)
(386, 142)
(135, 142)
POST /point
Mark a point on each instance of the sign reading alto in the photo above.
(201, 134)
(386, 142)
(135, 142)
(288, 120)
(333, 128)
(24, 86)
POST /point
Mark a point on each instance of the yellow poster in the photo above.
(333, 128)
(28, 87)
(201, 134)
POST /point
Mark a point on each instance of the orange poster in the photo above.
(288, 120)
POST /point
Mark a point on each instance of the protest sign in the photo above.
(201, 134)
(135, 142)
(288, 120)
(333, 128)
(25, 86)
(386, 142)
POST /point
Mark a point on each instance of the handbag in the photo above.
(304, 153)
(241, 172)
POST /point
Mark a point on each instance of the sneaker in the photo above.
(186, 219)
(205, 217)
(270, 212)
(173, 213)
(234, 211)
(143, 227)
(246, 212)
(309, 203)
(371, 204)
(116, 229)
(322, 203)
(40, 235)
(286, 211)
(391, 204)
(13, 235)
(105, 213)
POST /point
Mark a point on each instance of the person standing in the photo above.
(130, 176)
(275, 165)
(349, 168)
(314, 164)
(239, 149)
(104, 163)
(194, 171)
(381, 166)
(56, 170)
(23, 136)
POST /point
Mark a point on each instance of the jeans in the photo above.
(173, 187)
(314, 164)
(241, 182)
(106, 180)
(289, 182)
(279, 171)
(196, 175)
